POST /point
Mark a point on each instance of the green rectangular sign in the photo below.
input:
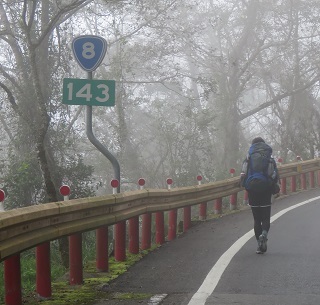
(88, 92)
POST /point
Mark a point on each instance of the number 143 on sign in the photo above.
(88, 92)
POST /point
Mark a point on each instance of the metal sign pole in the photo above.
(98, 144)
(89, 51)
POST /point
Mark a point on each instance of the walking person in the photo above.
(260, 178)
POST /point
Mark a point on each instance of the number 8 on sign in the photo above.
(89, 51)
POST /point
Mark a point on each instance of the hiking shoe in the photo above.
(259, 250)
(263, 242)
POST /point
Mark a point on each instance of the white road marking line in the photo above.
(213, 277)
(156, 299)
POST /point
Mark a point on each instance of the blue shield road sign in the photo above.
(89, 51)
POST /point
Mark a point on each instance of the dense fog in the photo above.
(195, 82)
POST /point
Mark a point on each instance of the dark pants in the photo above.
(261, 216)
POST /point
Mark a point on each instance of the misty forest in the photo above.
(195, 82)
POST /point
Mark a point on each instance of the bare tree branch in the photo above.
(277, 98)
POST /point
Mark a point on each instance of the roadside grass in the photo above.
(94, 287)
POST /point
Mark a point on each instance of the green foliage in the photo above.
(77, 175)
(22, 182)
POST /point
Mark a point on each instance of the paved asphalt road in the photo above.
(289, 273)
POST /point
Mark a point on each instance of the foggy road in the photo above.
(215, 262)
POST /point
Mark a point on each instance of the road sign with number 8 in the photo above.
(88, 92)
(89, 51)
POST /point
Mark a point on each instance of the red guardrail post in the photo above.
(12, 280)
(172, 230)
(186, 218)
(145, 227)
(187, 215)
(245, 198)
(233, 197)
(311, 177)
(303, 181)
(283, 181)
(283, 186)
(134, 228)
(75, 249)
(218, 206)
(134, 235)
(160, 238)
(12, 273)
(245, 193)
(146, 231)
(43, 271)
(202, 206)
(102, 249)
(75, 259)
(303, 178)
(293, 184)
(119, 232)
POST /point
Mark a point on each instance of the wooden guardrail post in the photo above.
(203, 205)
(233, 197)
(146, 227)
(172, 230)
(12, 274)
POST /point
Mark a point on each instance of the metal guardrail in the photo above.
(24, 228)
